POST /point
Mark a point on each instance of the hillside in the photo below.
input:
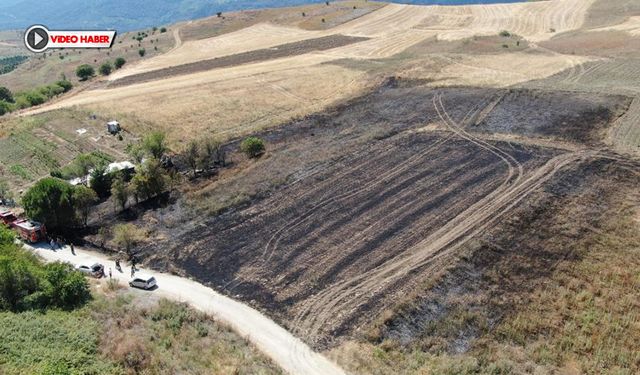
(121, 15)
(407, 189)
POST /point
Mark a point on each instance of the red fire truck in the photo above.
(30, 231)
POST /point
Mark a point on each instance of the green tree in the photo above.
(155, 144)
(163, 29)
(150, 180)
(6, 95)
(126, 236)
(50, 201)
(100, 181)
(142, 52)
(84, 199)
(120, 192)
(252, 147)
(119, 63)
(106, 68)
(85, 71)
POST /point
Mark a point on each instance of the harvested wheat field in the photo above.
(258, 53)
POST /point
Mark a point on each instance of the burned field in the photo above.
(382, 196)
(284, 50)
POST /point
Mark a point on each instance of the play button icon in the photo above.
(36, 38)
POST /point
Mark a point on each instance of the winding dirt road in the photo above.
(289, 352)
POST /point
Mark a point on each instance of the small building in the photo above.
(113, 127)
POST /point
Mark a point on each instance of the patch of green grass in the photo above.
(54, 342)
(20, 171)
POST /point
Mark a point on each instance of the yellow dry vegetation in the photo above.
(230, 103)
(240, 99)
(631, 26)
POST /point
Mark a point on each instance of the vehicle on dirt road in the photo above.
(30, 231)
(96, 270)
(143, 282)
(7, 217)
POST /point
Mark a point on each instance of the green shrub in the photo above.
(100, 182)
(106, 68)
(253, 147)
(85, 71)
(142, 52)
(505, 34)
(35, 98)
(163, 29)
(65, 287)
(22, 102)
(119, 63)
(66, 85)
(6, 95)
(5, 107)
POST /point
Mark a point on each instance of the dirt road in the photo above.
(282, 347)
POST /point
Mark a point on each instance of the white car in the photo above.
(97, 270)
(143, 282)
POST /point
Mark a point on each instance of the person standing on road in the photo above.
(133, 271)
(109, 273)
(52, 243)
(73, 251)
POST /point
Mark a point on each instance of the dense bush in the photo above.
(35, 98)
(6, 95)
(4, 107)
(253, 147)
(66, 85)
(155, 144)
(26, 284)
(106, 68)
(85, 71)
(119, 63)
(142, 52)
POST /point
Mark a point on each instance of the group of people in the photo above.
(119, 268)
(58, 242)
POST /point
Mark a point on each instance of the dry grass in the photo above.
(168, 338)
(46, 68)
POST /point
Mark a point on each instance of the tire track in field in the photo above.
(347, 295)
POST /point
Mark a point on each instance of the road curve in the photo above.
(289, 352)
